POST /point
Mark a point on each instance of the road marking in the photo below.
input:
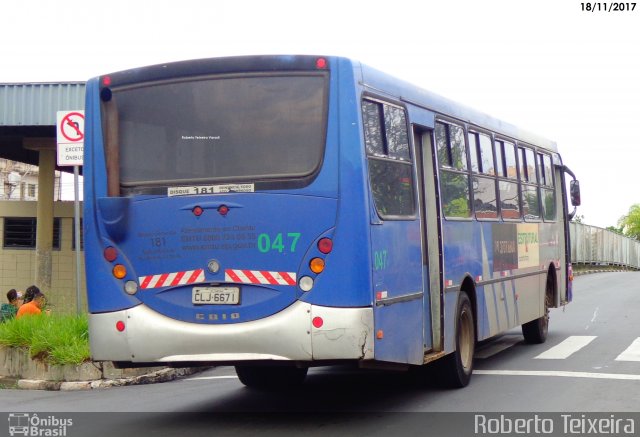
(497, 346)
(618, 376)
(203, 378)
(568, 347)
(595, 315)
(593, 319)
(632, 353)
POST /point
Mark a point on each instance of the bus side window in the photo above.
(508, 180)
(547, 191)
(454, 178)
(484, 188)
(529, 180)
(390, 167)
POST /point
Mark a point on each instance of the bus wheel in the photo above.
(457, 367)
(535, 332)
(271, 377)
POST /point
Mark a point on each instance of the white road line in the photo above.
(593, 319)
(568, 347)
(204, 378)
(618, 376)
(595, 314)
(497, 347)
(632, 353)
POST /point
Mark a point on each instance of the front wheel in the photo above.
(457, 367)
(271, 377)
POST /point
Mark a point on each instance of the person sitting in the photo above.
(8, 310)
(33, 307)
(30, 292)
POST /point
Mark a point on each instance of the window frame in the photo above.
(525, 151)
(449, 168)
(32, 226)
(477, 133)
(546, 187)
(386, 157)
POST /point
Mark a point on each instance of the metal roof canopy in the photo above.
(28, 113)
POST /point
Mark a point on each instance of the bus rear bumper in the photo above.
(345, 333)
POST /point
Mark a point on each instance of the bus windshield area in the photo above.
(242, 128)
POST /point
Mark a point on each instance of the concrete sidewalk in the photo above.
(18, 369)
(162, 375)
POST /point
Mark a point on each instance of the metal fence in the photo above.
(593, 245)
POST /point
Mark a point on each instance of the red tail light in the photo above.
(325, 245)
(110, 254)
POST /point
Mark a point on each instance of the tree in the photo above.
(630, 223)
(614, 229)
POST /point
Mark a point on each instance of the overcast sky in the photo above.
(547, 66)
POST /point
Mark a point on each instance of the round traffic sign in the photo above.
(72, 126)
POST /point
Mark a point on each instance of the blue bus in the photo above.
(280, 212)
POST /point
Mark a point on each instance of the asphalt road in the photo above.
(590, 363)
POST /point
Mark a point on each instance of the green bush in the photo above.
(56, 339)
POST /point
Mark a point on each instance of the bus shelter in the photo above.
(28, 135)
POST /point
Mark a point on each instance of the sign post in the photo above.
(70, 138)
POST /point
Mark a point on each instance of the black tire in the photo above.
(457, 367)
(535, 331)
(271, 377)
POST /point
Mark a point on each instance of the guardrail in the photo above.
(593, 245)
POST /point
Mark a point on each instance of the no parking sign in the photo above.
(70, 136)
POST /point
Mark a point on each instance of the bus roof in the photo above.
(372, 79)
(377, 81)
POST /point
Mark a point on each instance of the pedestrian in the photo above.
(30, 292)
(8, 310)
(33, 307)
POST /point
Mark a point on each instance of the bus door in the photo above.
(402, 308)
(397, 279)
(432, 244)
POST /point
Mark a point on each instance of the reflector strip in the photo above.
(259, 277)
(171, 279)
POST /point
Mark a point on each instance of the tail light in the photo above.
(119, 271)
(316, 265)
(110, 254)
(325, 245)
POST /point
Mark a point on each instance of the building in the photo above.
(20, 182)
(36, 229)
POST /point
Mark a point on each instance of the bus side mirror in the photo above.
(574, 191)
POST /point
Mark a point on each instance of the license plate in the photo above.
(215, 295)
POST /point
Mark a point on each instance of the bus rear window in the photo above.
(241, 128)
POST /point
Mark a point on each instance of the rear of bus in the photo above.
(224, 209)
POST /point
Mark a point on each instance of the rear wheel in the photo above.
(271, 377)
(457, 367)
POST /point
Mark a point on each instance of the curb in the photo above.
(163, 375)
(590, 272)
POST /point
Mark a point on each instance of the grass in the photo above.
(56, 339)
